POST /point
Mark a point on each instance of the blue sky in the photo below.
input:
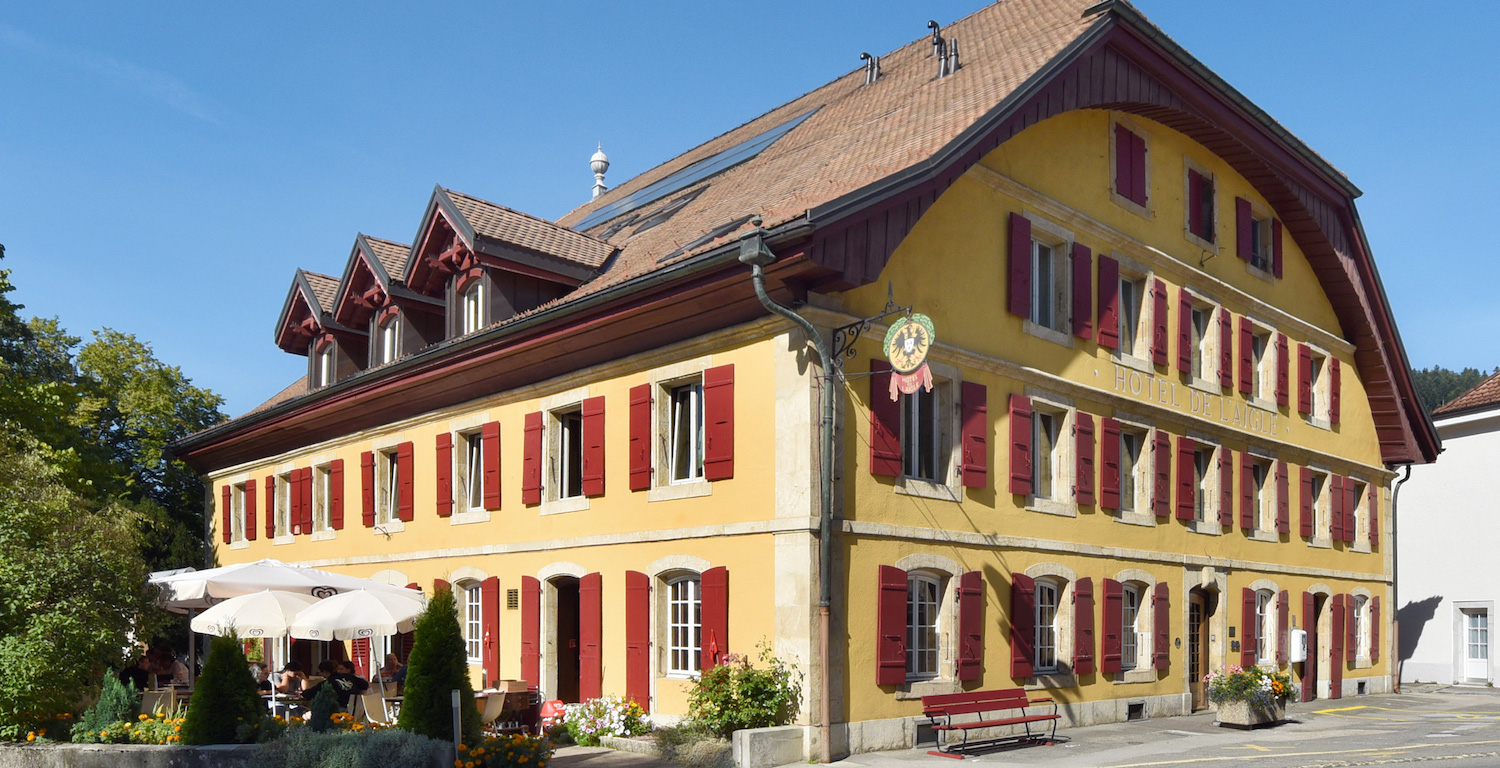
(164, 167)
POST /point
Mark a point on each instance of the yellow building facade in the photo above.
(1166, 401)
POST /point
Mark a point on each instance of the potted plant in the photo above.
(1248, 697)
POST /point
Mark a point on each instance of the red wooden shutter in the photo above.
(1334, 385)
(250, 502)
(1020, 265)
(1124, 168)
(1187, 478)
(1304, 379)
(1276, 247)
(1351, 509)
(1351, 629)
(441, 585)
(1283, 609)
(1226, 349)
(489, 621)
(1375, 629)
(1162, 625)
(1184, 331)
(1109, 454)
(1161, 458)
(1159, 323)
(1244, 237)
(1309, 667)
(1247, 355)
(590, 634)
(336, 495)
(1249, 510)
(404, 467)
(1283, 501)
(1022, 624)
(1282, 363)
(445, 474)
(489, 457)
(593, 446)
(531, 460)
(1336, 650)
(640, 437)
(890, 627)
(294, 501)
(885, 423)
(1337, 509)
(1109, 302)
(531, 631)
(1305, 502)
(1247, 627)
(718, 423)
(367, 488)
(1020, 445)
(270, 491)
(1138, 192)
(1083, 626)
(638, 637)
(359, 650)
(1195, 203)
(970, 625)
(1113, 619)
(1226, 487)
(1084, 476)
(225, 526)
(1083, 291)
(307, 499)
(714, 593)
(1374, 507)
(975, 430)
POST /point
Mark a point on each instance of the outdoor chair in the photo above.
(154, 701)
(372, 706)
(490, 709)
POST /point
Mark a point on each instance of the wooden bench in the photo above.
(992, 709)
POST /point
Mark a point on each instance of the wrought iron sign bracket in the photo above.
(845, 336)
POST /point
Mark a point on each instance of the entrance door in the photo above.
(1477, 645)
(566, 655)
(1197, 650)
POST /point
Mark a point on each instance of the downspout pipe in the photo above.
(1395, 585)
(755, 253)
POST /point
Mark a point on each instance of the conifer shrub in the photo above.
(117, 702)
(324, 704)
(225, 698)
(439, 665)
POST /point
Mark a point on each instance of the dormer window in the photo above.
(387, 336)
(472, 307)
(323, 361)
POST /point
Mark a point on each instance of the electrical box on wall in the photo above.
(1297, 639)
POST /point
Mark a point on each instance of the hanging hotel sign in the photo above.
(906, 346)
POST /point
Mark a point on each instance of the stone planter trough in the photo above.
(1241, 714)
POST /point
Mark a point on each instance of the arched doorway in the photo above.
(1202, 603)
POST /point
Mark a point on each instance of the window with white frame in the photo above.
(1204, 363)
(322, 498)
(1048, 594)
(1046, 430)
(323, 364)
(284, 504)
(1051, 272)
(1130, 615)
(1321, 509)
(1132, 297)
(388, 487)
(387, 336)
(473, 616)
(1263, 372)
(1203, 481)
(470, 465)
(567, 463)
(237, 513)
(1360, 512)
(923, 452)
(1263, 518)
(1201, 215)
(1319, 379)
(1260, 240)
(684, 625)
(1362, 626)
(1135, 473)
(472, 307)
(923, 604)
(1264, 621)
(685, 432)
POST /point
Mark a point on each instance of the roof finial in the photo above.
(600, 164)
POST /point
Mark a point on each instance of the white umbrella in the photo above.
(361, 613)
(267, 613)
(201, 589)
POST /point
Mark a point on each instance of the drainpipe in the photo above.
(1395, 604)
(753, 251)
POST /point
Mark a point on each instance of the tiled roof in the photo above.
(391, 255)
(295, 389)
(858, 135)
(530, 232)
(1486, 393)
(324, 289)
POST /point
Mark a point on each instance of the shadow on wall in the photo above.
(1414, 617)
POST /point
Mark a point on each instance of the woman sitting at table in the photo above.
(293, 680)
(166, 667)
(393, 671)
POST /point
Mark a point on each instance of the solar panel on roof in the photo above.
(708, 166)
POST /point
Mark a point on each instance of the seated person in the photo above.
(137, 674)
(262, 677)
(166, 667)
(345, 684)
(293, 680)
(391, 668)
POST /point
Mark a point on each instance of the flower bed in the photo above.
(1248, 697)
(592, 720)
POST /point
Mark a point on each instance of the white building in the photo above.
(1448, 578)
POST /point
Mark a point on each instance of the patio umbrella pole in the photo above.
(192, 652)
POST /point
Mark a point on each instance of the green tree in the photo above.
(1438, 385)
(225, 697)
(437, 667)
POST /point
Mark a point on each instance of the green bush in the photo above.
(438, 666)
(392, 748)
(226, 696)
(118, 702)
(324, 704)
(736, 695)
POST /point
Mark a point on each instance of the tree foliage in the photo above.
(1438, 385)
(437, 667)
(225, 697)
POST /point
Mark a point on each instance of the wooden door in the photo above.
(1197, 650)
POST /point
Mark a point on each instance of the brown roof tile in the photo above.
(324, 289)
(1485, 393)
(391, 255)
(295, 389)
(530, 232)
